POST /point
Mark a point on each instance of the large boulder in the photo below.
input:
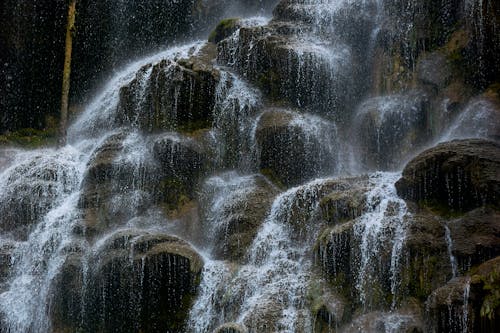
(183, 161)
(438, 249)
(111, 194)
(389, 128)
(300, 71)
(454, 176)
(171, 95)
(135, 281)
(33, 186)
(294, 148)
(236, 208)
(123, 179)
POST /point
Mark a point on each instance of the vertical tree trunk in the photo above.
(70, 28)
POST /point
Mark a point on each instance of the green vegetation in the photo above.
(224, 29)
(29, 138)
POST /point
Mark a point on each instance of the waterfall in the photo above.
(249, 183)
(449, 245)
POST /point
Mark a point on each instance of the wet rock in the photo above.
(427, 261)
(136, 281)
(183, 161)
(449, 307)
(455, 176)
(485, 283)
(328, 310)
(6, 249)
(389, 128)
(33, 187)
(294, 148)
(118, 184)
(224, 29)
(234, 213)
(312, 75)
(381, 322)
(433, 69)
(475, 237)
(171, 95)
(230, 328)
(334, 254)
(344, 205)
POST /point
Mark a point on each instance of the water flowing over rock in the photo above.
(135, 281)
(256, 181)
(460, 175)
(293, 148)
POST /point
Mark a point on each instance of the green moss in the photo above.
(273, 177)
(174, 193)
(29, 138)
(270, 83)
(491, 303)
(224, 29)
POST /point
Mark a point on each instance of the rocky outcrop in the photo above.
(136, 281)
(294, 148)
(171, 95)
(33, 187)
(230, 328)
(455, 176)
(433, 256)
(236, 212)
(123, 179)
(314, 76)
(390, 128)
(183, 161)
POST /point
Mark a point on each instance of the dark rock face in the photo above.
(433, 69)
(233, 224)
(473, 239)
(390, 128)
(467, 303)
(290, 146)
(457, 175)
(316, 77)
(427, 262)
(137, 282)
(183, 162)
(5, 260)
(230, 328)
(165, 174)
(33, 188)
(172, 95)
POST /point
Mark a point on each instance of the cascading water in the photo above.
(189, 200)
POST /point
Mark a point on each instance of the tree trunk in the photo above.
(70, 28)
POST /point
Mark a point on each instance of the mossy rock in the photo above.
(136, 282)
(29, 138)
(460, 175)
(224, 29)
